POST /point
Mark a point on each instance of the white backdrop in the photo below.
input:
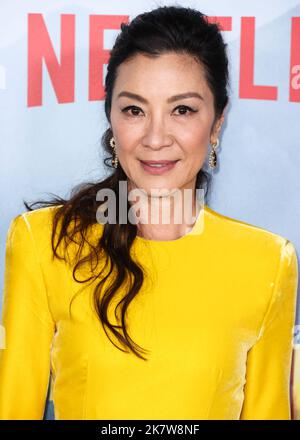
(49, 146)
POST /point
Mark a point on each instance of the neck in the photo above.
(167, 217)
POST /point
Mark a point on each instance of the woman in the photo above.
(189, 320)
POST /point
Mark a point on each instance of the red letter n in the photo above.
(39, 48)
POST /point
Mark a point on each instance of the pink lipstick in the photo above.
(158, 166)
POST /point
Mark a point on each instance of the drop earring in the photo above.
(114, 161)
(213, 155)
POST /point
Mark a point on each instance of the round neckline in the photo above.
(192, 232)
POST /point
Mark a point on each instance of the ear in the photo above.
(217, 127)
(222, 117)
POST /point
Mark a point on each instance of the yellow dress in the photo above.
(217, 319)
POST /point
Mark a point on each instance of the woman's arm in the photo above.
(29, 328)
(267, 388)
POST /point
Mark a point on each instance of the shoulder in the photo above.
(40, 215)
(37, 220)
(32, 228)
(259, 261)
(247, 230)
(255, 241)
(45, 228)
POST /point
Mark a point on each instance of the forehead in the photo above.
(165, 74)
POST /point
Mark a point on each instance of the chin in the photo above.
(158, 190)
(155, 184)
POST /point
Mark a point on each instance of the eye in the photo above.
(186, 108)
(136, 110)
(131, 107)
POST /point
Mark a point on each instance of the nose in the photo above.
(156, 136)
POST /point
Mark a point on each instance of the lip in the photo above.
(167, 165)
(149, 162)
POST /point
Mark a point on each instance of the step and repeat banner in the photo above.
(53, 57)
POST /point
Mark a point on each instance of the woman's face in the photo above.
(156, 125)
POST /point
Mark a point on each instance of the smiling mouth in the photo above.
(158, 167)
(158, 163)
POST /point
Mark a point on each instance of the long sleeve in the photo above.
(29, 328)
(267, 387)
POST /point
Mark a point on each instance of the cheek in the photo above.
(196, 130)
(123, 133)
(127, 137)
(196, 143)
(125, 142)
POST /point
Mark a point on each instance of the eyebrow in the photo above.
(169, 100)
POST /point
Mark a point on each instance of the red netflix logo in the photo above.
(62, 72)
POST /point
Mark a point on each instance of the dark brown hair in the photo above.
(165, 29)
